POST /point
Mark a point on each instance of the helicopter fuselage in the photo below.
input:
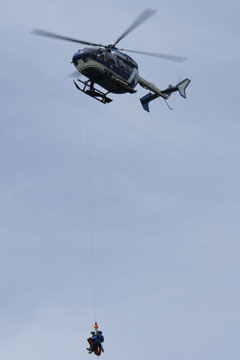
(111, 69)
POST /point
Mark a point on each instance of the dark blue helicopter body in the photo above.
(109, 68)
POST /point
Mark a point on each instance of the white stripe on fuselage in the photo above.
(132, 76)
(91, 63)
(100, 67)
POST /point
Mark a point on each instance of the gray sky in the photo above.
(165, 186)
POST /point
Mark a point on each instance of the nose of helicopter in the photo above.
(76, 57)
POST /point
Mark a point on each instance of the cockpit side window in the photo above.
(100, 54)
(108, 55)
(110, 59)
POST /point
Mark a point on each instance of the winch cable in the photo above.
(90, 213)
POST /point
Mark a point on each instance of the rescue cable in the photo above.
(91, 220)
(95, 342)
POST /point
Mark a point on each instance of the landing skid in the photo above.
(91, 91)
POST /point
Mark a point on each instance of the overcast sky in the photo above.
(164, 186)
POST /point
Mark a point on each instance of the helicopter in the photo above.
(115, 71)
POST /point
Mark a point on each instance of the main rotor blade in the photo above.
(140, 19)
(161, 56)
(60, 37)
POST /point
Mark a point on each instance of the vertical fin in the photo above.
(182, 87)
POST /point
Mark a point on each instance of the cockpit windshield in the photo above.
(84, 55)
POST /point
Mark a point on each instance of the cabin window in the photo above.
(128, 68)
(120, 64)
(100, 54)
(111, 61)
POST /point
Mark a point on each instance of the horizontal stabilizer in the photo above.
(145, 100)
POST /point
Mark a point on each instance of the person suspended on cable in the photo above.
(95, 341)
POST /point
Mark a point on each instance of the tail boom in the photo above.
(145, 100)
